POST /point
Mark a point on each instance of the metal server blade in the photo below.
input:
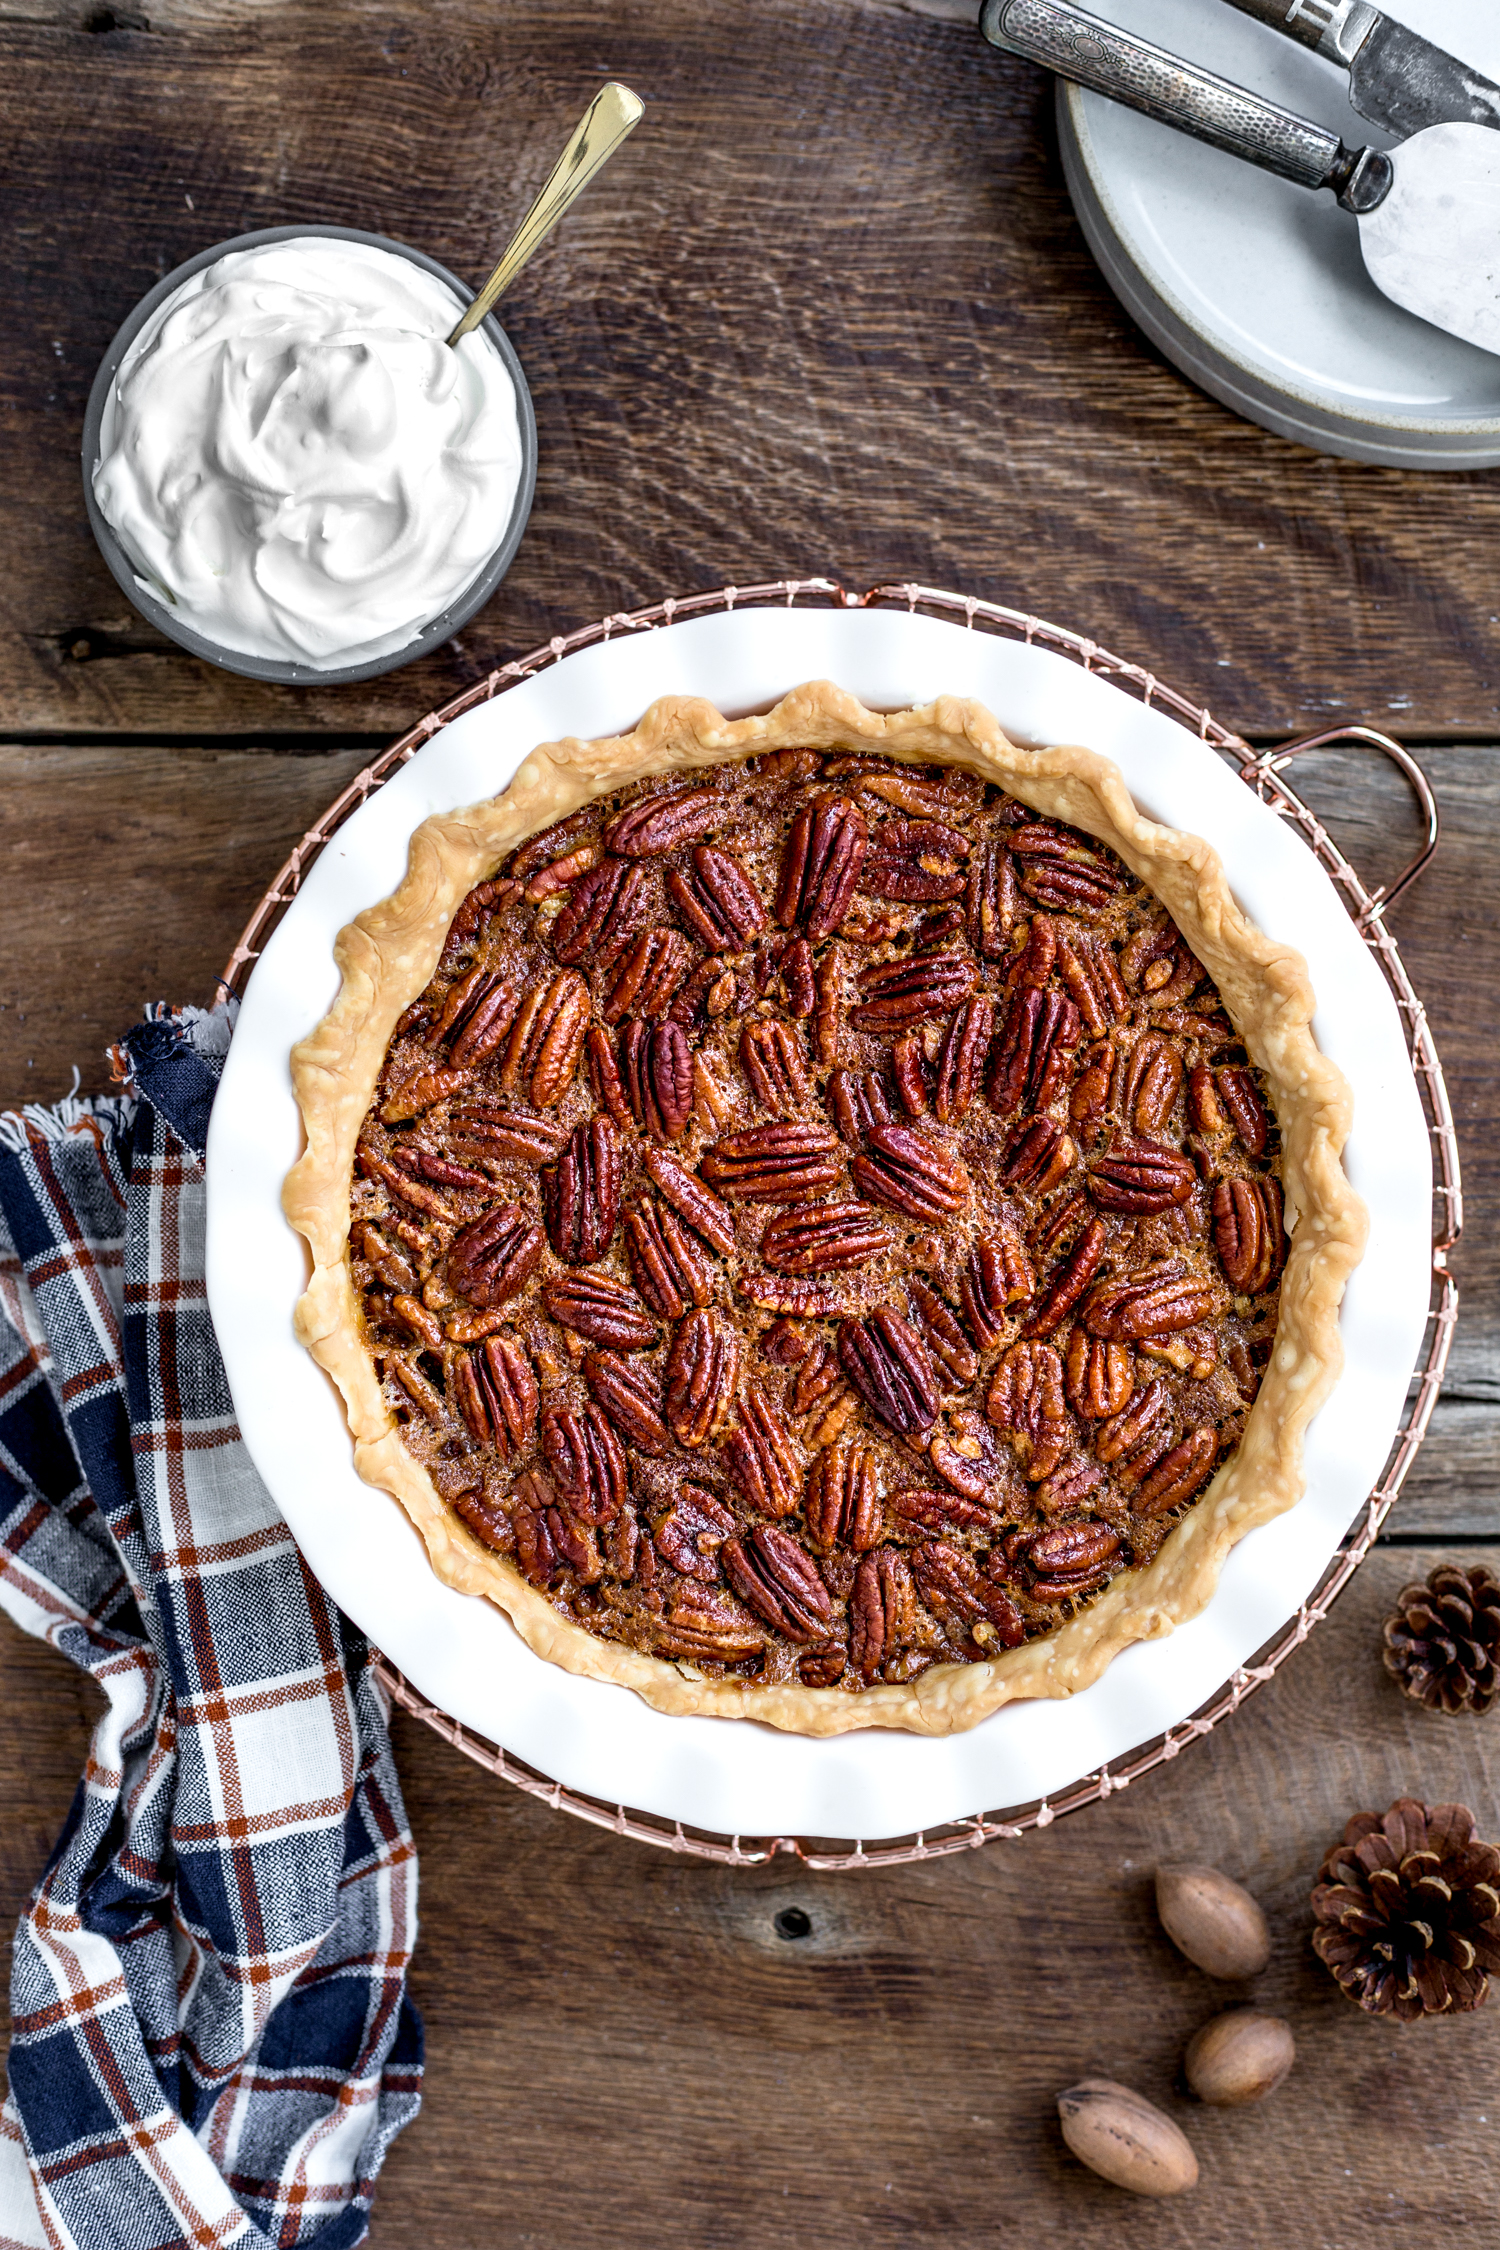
(1397, 79)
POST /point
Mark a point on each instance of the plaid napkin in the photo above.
(212, 2041)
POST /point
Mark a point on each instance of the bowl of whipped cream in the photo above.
(288, 469)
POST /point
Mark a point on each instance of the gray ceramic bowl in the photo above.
(458, 613)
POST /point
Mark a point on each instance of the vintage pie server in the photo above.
(1429, 212)
(1397, 79)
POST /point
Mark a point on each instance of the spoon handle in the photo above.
(613, 112)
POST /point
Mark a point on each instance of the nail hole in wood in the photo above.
(793, 1922)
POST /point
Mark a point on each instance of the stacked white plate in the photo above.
(1256, 288)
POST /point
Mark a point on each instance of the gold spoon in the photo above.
(613, 112)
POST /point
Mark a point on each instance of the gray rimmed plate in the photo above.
(157, 613)
(1256, 289)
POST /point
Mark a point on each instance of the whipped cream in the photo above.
(295, 461)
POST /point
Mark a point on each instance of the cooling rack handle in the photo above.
(1270, 762)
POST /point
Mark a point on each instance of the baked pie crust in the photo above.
(388, 956)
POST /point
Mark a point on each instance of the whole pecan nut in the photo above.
(763, 1456)
(773, 1577)
(601, 1309)
(1137, 1177)
(842, 1504)
(907, 1172)
(882, 1611)
(915, 859)
(1070, 1281)
(888, 1364)
(898, 994)
(656, 1071)
(581, 1193)
(661, 823)
(821, 865)
(717, 900)
(601, 914)
(631, 1396)
(495, 1391)
(586, 1463)
(960, 1064)
(788, 1162)
(492, 1260)
(824, 1239)
(703, 1371)
(665, 1262)
(1249, 1233)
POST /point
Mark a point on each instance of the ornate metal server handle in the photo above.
(1130, 70)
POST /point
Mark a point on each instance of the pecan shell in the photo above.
(763, 1457)
(882, 1611)
(887, 1363)
(581, 1193)
(821, 865)
(908, 1173)
(1249, 1233)
(492, 1260)
(824, 1239)
(773, 1577)
(842, 1506)
(586, 1463)
(717, 900)
(600, 1308)
(703, 1370)
(780, 1163)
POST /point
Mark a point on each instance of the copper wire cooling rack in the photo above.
(1263, 771)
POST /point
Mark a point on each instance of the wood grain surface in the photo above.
(829, 312)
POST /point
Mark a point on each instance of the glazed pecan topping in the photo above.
(763, 1456)
(717, 900)
(772, 1576)
(706, 1625)
(508, 1136)
(1138, 1176)
(423, 1092)
(599, 1307)
(1248, 1232)
(960, 1066)
(900, 993)
(1092, 977)
(581, 1194)
(1035, 1052)
(703, 1369)
(586, 1462)
(950, 1348)
(1151, 1080)
(821, 865)
(941, 793)
(882, 1611)
(690, 1199)
(824, 1239)
(775, 1063)
(666, 1263)
(648, 975)
(915, 859)
(909, 1070)
(991, 900)
(909, 1173)
(1156, 1304)
(630, 1395)
(1070, 1559)
(842, 1505)
(888, 1364)
(1101, 1376)
(492, 1260)
(1037, 1156)
(1157, 964)
(951, 1587)
(1070, 1281)
(546, 1039)
(691, 1532)
(1246, 1110)
(656, 1071)
(857, 1103)
(941, 1510)
(659, 823)
(1179, 1474)
(602, 913)
(1058, 869)
(1026, 1401)
(495, 1391)
(787, 1162)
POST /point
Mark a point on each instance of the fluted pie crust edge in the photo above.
(388, 955)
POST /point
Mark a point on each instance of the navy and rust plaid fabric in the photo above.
(212, 2041)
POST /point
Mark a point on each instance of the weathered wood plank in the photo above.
(622, 2049)
(746, 357)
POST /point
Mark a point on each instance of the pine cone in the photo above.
(1408, 1907)
(1442, 1640)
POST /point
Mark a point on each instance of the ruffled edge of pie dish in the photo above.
(388, 955)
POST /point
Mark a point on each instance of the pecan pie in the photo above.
(818, 1222)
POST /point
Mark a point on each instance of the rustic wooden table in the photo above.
(830, 313)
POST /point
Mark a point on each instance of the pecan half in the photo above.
(495, 1391)
(942, 1511)
(1136, 1423)
(951, 1587)
(581, 1193)
(656, 1071)
(660, 823)
(901, 993)
(1249, 1233)
(937, 793)
(882, 1611)
(1155, 1304)
(1093, 980)
(706, 1625)
(648, 976)
(793, 1294)
(423, 1092)
(771, 1056)
(915, 859)
(597, 1306)
(788, 1162)
(506, 1136)
(825, 1239)
(763, 1456)
(1151, 1083)
(1179, 1474)
(1090, 1096)
(717, 900)
(1059, 870)
(950, 1347)
(688, 1197)
(703, 1369)
(1037, 1156)
(547, 1038)
(631, 1396)
(1069, 1486)
(393, 1268)
(667, 1266)
(688, 1537)
(821, 865)
(1239, 1095)
(797, 978)
(1026, 1401)
(1035, 1052)
(960, 1065)
(707, 994)
(857, 1103)
(1156, 963)
(601, 915)
(533, 1518)
(997, 1275)
(550, 843)
(586, 1462)
(1205, 1111)
(991, 900)
(561, 873)
(772, 1576)
(909, 1070)
(1070, 1281)
(842, 1506)
(1072, 1551)
(909, 1173)
(491, 1261)
(1141, 1176)
(817, 1376)
(482, 904)
(966, 1472)
(1101, 1375)
(1033, 965)
(887, 1363)
(828, 1006)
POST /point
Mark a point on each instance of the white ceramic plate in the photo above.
(731, 1775)
(1255, 288)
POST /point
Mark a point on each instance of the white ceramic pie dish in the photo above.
(1255, 288)
(734, 1776)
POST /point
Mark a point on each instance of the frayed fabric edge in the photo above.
(75, 1113)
